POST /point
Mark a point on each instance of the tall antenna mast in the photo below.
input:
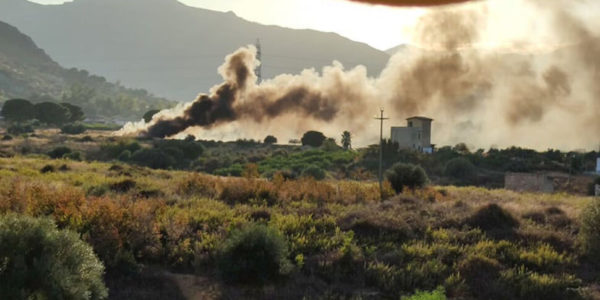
(258, 70)
(381, 119)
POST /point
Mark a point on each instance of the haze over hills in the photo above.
(26, 71)
(170, 48)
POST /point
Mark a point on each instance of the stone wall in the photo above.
(528, 182)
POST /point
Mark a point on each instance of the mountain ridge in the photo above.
(171, 48)
(27, 71)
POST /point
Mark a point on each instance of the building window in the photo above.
(410, 124)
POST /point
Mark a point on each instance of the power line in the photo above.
(381, 119)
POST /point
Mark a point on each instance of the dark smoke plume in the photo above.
(226, 102)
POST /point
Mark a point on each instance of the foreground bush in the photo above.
(38, 261)
(255, 255)
(590, 230)
(403, 175)
(434, 295)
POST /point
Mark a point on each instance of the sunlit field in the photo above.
(161, 233)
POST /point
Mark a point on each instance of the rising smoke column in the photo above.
(310, 96)
(542, 98)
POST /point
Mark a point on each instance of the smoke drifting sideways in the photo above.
(546, 98)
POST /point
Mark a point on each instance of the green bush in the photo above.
(153, 158)
(524, 285)
(254, 255)
(403, 175)
(590, 230)
(73, 128)
(492, 217)
(73, 156)
(18, 129)
(125, 155)
(459, 168)
(59, 152)
(314, 172)
(38, 261)
(313, 138)
(17, 110)
(270, 140)
(438, 294)
(113, 150)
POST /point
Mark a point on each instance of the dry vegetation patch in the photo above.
(342, 240)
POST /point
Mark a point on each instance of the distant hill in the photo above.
(26, 71)
(172, 49)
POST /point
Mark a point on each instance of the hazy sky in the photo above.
(379, 26)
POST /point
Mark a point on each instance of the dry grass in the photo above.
(177, 220)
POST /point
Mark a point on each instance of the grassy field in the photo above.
(159, 233)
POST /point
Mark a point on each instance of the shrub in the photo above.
(313, 138)
(47, 169)
(149, 114)
(75, 112)
(254, 255)
(524, 284)
(492, 217)
(7, 137)
(403, 175)
(314, 172)
(113, 150)
(59, 152)
(590, 229)
(125, 155)
(270, 140)
(73, 156)
(153, 158)
(41, 262)
(460, 168)
(481, 275)
(73, 128)
(52, 113)
(18, 129)
(17, 110)
(122, 186)
(86, 139)
(438, 294)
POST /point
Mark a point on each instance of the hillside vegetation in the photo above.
(26, 71)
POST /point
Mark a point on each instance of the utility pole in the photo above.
(258, 70)
(381, 119)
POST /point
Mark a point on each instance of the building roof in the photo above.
(419, 118)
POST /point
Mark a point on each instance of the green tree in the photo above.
(314, 172)
(347, 140)
(460, 168)
(41, 262)
(255, 255)
(18, 110)
(402, 175)
(313, 138)
(270, 140)
(76, 113)
(149, 114)
(52, 113)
